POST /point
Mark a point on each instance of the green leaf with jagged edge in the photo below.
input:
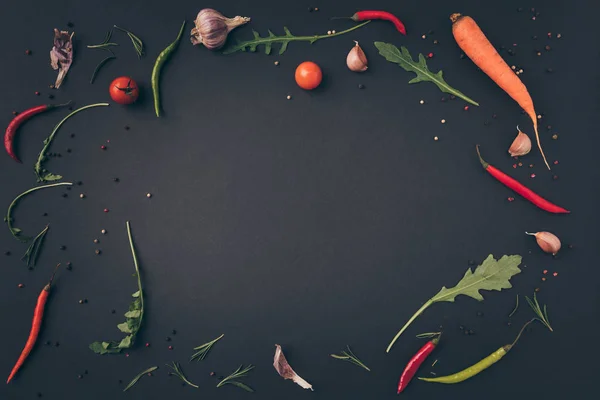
(403, 58)
(492, 274)
(283, 41)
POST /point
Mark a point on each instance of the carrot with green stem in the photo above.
(36, 325)
(471, 39)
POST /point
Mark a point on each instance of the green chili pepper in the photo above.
(480, 366)
(472, 370)
(160, 61)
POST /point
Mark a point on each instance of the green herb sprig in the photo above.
(542, 314)
(16, 232)
(138, 376)
(138, 45)
(101, 63)
(178, 372)
(31, 255)
(514, 309)
(43, 175)
(134, 315)
(203, 350)
(348, 355)
(428, 335)
(105, 44)
(403, 58)
(237, 374)
(251, 45)
(492, 274)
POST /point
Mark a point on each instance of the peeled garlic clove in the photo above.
(521, 145)
(547, 241)
(212, 28)
(356, 59)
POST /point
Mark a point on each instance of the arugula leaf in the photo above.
(490, 275)
(138, 376)
(284, 40)
(403, 58)
(43, 175)
(133, 316)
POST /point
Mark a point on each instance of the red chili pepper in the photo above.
(521, 189)
(18, 121)
(415, 362)
(38, 314)
(368, 15)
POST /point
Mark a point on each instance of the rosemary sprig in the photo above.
(178, 372)
(204, 349)
(428, 335)
(16, 232)
(238, 373)
(542, 316)
(138, 45)
(284, 40)
(33, 250)
(105, 43)
(101, 63)
(138, 376)
(515, 309)
(348, 355)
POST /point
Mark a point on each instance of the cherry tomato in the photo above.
(124, 90)
(308, 75)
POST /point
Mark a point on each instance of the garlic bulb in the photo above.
(212, 28)
(356, 59)
(547, 241)
(521, 145)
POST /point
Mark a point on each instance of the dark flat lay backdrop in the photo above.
(313, 223)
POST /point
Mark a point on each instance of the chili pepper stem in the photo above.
(510, 346)
(484, 164)
(419, 312)
(53, 274)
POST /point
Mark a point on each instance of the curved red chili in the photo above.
(521, 189)
(384, 15)
(38, 315)
(415, 362)
(17, 121)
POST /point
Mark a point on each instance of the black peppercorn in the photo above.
(361, 86)
(168, 339)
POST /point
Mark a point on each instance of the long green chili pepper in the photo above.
(160, 61)
(480, 366)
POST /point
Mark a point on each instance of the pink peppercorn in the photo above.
(103, 147)
(430, 55)
(147, 344)
(533, 175)
(556, 162)
(106, 210)
(170, 347)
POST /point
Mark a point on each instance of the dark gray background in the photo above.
(313, 223)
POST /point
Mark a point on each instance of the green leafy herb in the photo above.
(284, 40)
(43, 175)
(515, 309)
(348, 355)
(237, 374)
(16, 232)
(31, 255)
(178, 372)
(203, 350)
(403, 58)
(138, 376)
(105, 43)
(133, 316)
(138, 45)
(101, 63)
(542, 315)
(490, 275)
(428, 335)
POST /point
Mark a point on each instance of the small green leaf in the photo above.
(133, 314)
(403, 58)
(287, 32)
(271, 34)
(136, 294)
(16, 231)
(125, 342)
(241, 385)
(256, 34)
(49, 177)
(97, 348)
(105, 345)
(124, 327)
(283, 47)
(138, 376)
(268, 48)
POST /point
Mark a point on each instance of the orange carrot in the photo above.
(478, 48)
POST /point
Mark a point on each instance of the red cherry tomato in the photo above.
(124, 90)
(308, 75)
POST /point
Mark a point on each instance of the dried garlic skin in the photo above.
(61, 55)
(284, 369)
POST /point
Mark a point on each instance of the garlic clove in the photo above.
(212, 28)
(521, 145)
(356, 59)
(547, 241)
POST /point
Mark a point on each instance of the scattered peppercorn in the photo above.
(547, 48)
(168, 339)
(39, 394)
(80, 301)
(37, 93)
(79, 376)
(7, 253)
(147, 344)
(97, 252)
(103, 231)
(430, 55)
(479, 314)
(170, 347)
(361, 86)
(116, 179)
(113, 311)
(65, 195)
(15, 113)
(212, 374)
(148, 195)
(106, 210)
(310, 9)
(103, 147)
(289, 97)
(555, 136)
(436, 42)
(50, 96)
(466, 108)
(174, 332)
(57, 344)
(20, 286)
(276, 63)
(28, 52)
(511, 199)
(48, 343)
(72, 135)
(70, 24)
(534, 37)
(63, 247)
(96, 241)
(69, 266)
